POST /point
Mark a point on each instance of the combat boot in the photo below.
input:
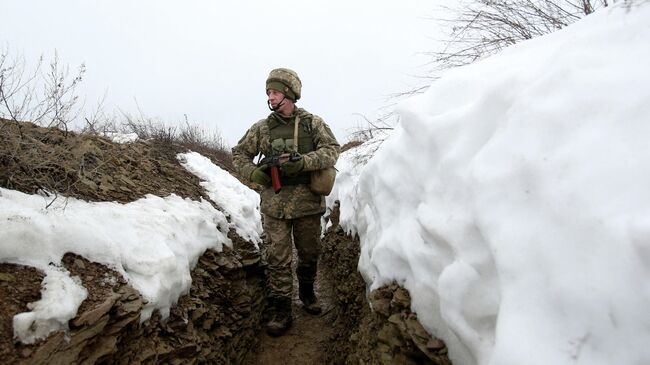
(281, 317)
(307, 297)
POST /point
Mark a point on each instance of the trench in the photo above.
(221, 320)
(348, 331)
(319, 339)
(306, 341)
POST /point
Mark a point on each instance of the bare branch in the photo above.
(54, 105)
(480, 28)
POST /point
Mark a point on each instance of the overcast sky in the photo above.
(210, 59)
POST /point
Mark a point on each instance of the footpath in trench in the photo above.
(306, 342)
(348, 331)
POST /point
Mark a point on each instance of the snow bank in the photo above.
(513, 200)
(349, 166)
(240, 203)
(60, 298)
(152, 242)
(118, 137)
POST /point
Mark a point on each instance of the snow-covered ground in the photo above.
(153, 242)
(513, 201)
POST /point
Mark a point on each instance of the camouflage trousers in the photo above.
(279, 252)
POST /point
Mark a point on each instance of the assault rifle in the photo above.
(274, 163)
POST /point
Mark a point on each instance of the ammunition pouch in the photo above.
(322, 181)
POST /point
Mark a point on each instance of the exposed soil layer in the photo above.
(387, 334)
(19, 285)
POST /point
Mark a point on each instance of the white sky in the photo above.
(209, 59)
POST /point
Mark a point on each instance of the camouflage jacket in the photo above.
(293, 201)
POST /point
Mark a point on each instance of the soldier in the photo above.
(295, 209)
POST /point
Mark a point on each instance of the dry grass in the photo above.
(32, 162)
(50, 161)
(186, 136)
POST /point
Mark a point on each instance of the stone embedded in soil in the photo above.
(92, 316)
(6, 277)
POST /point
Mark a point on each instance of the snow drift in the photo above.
(513, 202)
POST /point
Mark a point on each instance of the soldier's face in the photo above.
(279, 102)
(275, 97)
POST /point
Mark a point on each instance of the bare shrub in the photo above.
(366, 139)
(25, 167)
(367, 129)
(178, 136)
(194, 135)
(480, 28)
(148, 128)
(44, 97)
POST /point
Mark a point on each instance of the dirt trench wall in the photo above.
(389, 333)
(218, 322)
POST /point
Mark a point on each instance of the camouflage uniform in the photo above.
(295, 207)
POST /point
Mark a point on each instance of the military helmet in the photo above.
(286, 81)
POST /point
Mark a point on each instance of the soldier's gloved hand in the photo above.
(292, 168)
(259, 175)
